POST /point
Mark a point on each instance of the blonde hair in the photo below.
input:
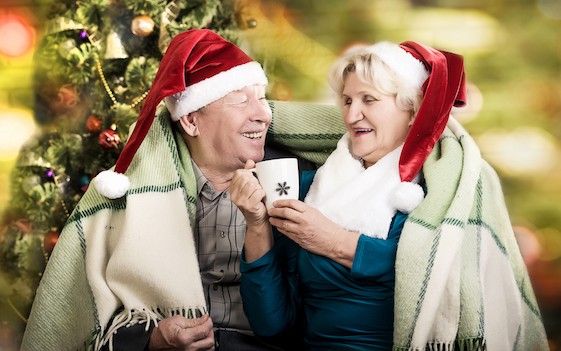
(369, 65)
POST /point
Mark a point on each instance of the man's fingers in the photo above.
(258, 195)
(204, 344)
(188, 322)
(247, 194)
(199, 332)
(249, 164)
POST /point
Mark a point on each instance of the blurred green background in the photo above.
(512, 52)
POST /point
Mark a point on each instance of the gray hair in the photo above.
(387, 67)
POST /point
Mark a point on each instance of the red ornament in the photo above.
(66, 99)
(93, 124)
(49, 240)
(109, 139)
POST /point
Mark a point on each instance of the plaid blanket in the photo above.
(460, 278)
(138, 251)
(459, 274)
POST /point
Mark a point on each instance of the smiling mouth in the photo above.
(362, 131)
(253, 135)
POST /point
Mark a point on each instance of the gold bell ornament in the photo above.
(142, 26)
(114, 48)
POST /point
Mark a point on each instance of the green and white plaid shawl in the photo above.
(460, 278)
(137, 251)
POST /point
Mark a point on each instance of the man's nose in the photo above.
(261, 111)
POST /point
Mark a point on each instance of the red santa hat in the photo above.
(199, 67)
(443, 88)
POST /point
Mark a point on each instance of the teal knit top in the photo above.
(332, 307)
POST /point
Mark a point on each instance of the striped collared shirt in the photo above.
(219, 238)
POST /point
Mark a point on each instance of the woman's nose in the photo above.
(354, 113)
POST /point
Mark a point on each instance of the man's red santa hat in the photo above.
(199, 67)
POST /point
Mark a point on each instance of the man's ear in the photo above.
(189, 124)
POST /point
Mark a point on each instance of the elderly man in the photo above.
(161, 244)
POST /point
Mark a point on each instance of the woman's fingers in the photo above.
(284, 226)
(286, 213)
(296, 205)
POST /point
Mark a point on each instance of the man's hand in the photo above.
(180, 333)
(247, 194)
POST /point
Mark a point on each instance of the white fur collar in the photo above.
(354, 197)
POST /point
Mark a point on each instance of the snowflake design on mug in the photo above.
(282, 189)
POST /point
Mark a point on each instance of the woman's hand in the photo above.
(314, 232)
(247, 194)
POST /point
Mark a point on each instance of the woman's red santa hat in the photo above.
(444, 88)
(199, 67)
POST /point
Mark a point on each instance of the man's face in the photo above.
(232, 130)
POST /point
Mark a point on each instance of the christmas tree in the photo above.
(94, 66)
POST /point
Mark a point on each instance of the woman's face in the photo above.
(375, 124)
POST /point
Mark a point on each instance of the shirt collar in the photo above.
(204, 187)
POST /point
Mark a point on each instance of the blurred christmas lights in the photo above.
(523, 151)
(16, 126)
(17, 36)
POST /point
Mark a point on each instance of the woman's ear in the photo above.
(189, 124)
(412, 119)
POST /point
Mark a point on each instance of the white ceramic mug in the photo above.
(279, 179)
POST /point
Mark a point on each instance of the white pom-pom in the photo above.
(111, 184)
(407, 196)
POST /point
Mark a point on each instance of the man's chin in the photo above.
(255, 156)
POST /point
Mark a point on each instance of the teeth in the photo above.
(363, 130)
(254, 135)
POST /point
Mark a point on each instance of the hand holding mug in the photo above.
(279, 179)
(247, 194)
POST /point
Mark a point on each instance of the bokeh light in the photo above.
(550, 8)
(523, 151)
(17, 36)
(456, 30)
(16, 126)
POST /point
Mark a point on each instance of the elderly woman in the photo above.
(330, 267)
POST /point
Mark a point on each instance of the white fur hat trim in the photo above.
(211, 89)
(412, 71)
(111, 184)
(407, 196)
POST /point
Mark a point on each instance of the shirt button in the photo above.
(215, 287)
(222, 234)
(224, 195)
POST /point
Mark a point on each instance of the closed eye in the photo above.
(236, 98)
(368, 99)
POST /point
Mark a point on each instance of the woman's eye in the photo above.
(368, 99)
(346, 102)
